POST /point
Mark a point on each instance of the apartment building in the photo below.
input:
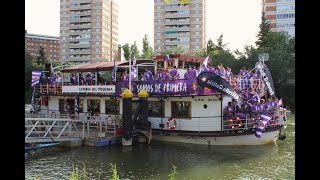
(281, 14)
(179, 25)
(88, 30)
(49, 43)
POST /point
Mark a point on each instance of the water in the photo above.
(155, 161)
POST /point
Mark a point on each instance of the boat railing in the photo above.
(87, 126)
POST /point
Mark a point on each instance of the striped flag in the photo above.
(134, 69)
(76, 104)
(167, 57)
(264, 120)
(35, 78)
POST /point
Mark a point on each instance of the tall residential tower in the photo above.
(88, 30)
(179, 25)
(281, 14)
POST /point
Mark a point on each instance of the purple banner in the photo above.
(180, 87)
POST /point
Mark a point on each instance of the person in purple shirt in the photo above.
(254, 109)
(165, 75)
(243, 72)
(228, 74)
(228, 111)
(174, 73)
(192, 73)
(159, 74)
(246, 94)
(125, 76)
(245, 108)
(148, 75)
(211, 69)
(186, 75)
(221, 71)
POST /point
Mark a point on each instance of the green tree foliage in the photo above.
(126, 51)
(41, 58)
(147, 51)
(265, 29)
(134, 51)
(30, 65)
(181, 1)
(220, 45)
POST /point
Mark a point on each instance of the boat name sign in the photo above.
(89, 89)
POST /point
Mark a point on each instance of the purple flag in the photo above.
(167, 57)
(280, 103)
(114, 75)
(32, 99)
(134, 69)
(264, 120)
(76, 104)
(35, 79)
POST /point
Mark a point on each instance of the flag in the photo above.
(51, 67)
(134, 69)
(280, 103)
(264, 120)
(35, 79)
(204, 65)
(114, 73)
(205, 62)
(167, 57)
(33, 104)
(76, 104)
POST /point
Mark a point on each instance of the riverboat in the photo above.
(179, 110)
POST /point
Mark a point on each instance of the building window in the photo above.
(197, 47)
(94, 106)
(158, 14)
(197, 40)
(170, 64)
(160, 64)
(158, 34)
(197, 33)
(112, 106)
(197, 19)
(97, 56)
(197, 26)
(158, 7)
(158, 41)
(181, 109)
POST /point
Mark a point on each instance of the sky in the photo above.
(238, 20)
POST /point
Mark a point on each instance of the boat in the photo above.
(178, 110)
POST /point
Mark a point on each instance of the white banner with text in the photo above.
(89, 89)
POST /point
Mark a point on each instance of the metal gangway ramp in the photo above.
(42, 129)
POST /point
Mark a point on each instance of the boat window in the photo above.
(170, 64)
(62, 106)
(160, 64)
(181, 109)
(154, 108)
(112, 106)
(94, 106)
(180, 64)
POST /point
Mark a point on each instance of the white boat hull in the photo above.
(249, 139)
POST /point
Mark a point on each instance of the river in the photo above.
(155, 161)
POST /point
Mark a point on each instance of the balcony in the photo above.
(81, 1)
(80, 26)
(81, 20)
(82, 7)
(78, 13)
(177, 22)
(80, 58)
(176, 35)
(79, 45)
(80, 51)
(175, 15)
(178, 8)
(77, 32)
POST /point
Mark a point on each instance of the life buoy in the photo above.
(53, 115)
(174, 123)
(237, 119)
(254, 121)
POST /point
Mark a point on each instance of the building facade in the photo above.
(179, 25)
(281, 14)
(88, 30)
(49, 43)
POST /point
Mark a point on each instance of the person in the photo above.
(125, 76)
(228, 74)
(174, 73)
(221, 71)
(228, 111)
(192, 72)
(159, 74)
(211, 69)
(148, 75)
(69, 110)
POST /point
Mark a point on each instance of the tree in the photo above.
(181, 1)
(147, 51)
(134, 51)
(265, 29)
(220, 45)
(173, 50)
(41, 58)
(126, 51)
(30, 65)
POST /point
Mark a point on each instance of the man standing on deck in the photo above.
(148, 75)
(174, 73)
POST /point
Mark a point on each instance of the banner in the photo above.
(35, 78)
(179, 87)
(267, 80)
(89, 89)
(213, 81)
